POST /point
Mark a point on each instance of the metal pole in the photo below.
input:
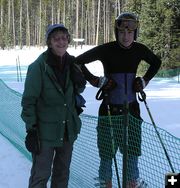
(17, 70)
(100, 96)
(143, 97)
(113, 143)
(20, 75)
(125, 134)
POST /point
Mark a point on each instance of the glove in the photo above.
(32, 141)
(139, 84)
(107, 84)
(80, 102)
(94, 82)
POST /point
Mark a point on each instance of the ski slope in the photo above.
(163, 98)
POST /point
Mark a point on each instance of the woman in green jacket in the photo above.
(49, 110)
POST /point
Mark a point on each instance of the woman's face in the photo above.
(59, 43)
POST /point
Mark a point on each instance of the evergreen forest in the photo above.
(24, 23)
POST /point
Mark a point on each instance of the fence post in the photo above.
(18, 69)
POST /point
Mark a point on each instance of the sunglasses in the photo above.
(129, 24)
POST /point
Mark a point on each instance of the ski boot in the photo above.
(104, 184)
(138, 183)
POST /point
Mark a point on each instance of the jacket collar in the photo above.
(48, 63)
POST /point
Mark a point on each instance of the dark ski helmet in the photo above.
(56, 27)
(126, 20)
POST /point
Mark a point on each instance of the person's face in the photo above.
(59, 43)
(126, 37)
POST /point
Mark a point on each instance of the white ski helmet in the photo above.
(126, 20)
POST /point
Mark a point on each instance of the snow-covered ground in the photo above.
(163, 98)
(14, 167)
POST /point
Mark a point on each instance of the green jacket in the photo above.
(46, 105)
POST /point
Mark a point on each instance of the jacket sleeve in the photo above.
(32, 90)
(154, 63)
(92, 79)
(90, 55)
(94, 54)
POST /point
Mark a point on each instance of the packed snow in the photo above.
(163, 98)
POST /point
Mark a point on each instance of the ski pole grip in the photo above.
(143, 96)
(99, 95)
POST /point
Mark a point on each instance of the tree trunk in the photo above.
(52, 12)
(27, 25)
(82, 19)
(77, 19)
(58, 11)
(40, 21)
(9, 24)
(20, 24)
(13, 25)
(97, 28)
(93, 23)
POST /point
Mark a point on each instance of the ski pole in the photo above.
(143, 98)
(113, 143)
(125, 133)
(99, 96)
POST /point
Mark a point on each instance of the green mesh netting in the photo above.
(153, 164)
